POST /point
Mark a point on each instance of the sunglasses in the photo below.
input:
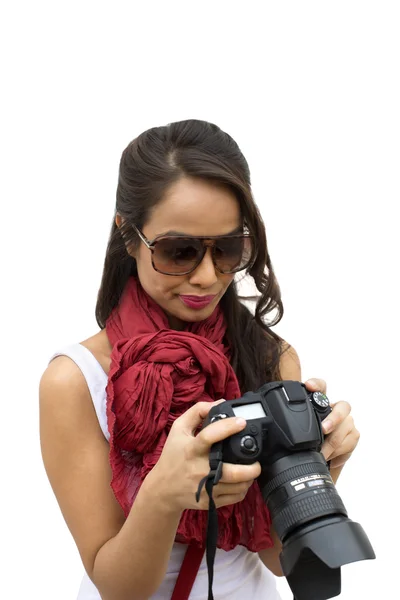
(180, 255)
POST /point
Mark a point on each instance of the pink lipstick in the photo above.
(197, 302)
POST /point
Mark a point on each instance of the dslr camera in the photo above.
(284, 433)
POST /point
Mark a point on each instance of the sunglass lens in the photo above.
(175, 256)
(233, 254)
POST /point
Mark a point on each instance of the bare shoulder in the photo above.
(289, 364)
(65, 402)
(63, 392)
(63, 377)
(76, 458)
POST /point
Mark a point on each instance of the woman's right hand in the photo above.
(184, 462)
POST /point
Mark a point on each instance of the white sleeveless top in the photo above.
(238, 574)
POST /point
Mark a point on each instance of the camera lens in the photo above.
(299, 489)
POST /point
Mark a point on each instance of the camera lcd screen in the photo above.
(249, 411)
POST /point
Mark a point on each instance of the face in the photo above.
(191, 207)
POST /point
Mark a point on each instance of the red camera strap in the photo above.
(188, 572)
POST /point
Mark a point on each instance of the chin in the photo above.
(194, 316)
(189, 316)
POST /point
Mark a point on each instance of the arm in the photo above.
(119, 555)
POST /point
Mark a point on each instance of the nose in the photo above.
(205, 275)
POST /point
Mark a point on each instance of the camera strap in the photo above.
(209, 481)
(188, 572)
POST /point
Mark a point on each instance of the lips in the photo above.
(196, 302)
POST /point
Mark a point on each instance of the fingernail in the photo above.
(313, 382)
(240, 421)
(327, 426)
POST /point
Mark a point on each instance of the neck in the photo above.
(175, 323)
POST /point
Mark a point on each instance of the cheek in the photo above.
(155, 284)
(226, 280)
(144, 267)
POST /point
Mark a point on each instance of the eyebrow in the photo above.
(189, 235)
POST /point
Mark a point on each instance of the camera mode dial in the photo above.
(320, 401)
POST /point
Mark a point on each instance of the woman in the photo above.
(125, 406)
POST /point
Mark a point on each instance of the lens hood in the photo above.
(320, 549)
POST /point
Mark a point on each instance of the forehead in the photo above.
(195, 207)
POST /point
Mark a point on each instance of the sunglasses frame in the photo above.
(150, 244)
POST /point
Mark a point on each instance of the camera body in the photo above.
(282, 418)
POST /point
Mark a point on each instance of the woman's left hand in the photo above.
(341, 435)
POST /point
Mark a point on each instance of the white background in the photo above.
(310, 90)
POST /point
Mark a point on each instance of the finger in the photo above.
(229, 499)
(240, 473)
(340, 411)
(348, 445)
(194, 416)
(334, 443)
(223, 489)
(316, 385)
(218, 431)
(340, 461)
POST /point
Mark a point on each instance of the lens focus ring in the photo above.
(307, 508)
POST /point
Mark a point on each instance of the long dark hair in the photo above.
(149, 165)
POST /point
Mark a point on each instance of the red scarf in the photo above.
(156, 374)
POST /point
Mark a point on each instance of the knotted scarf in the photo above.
(156, 374)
